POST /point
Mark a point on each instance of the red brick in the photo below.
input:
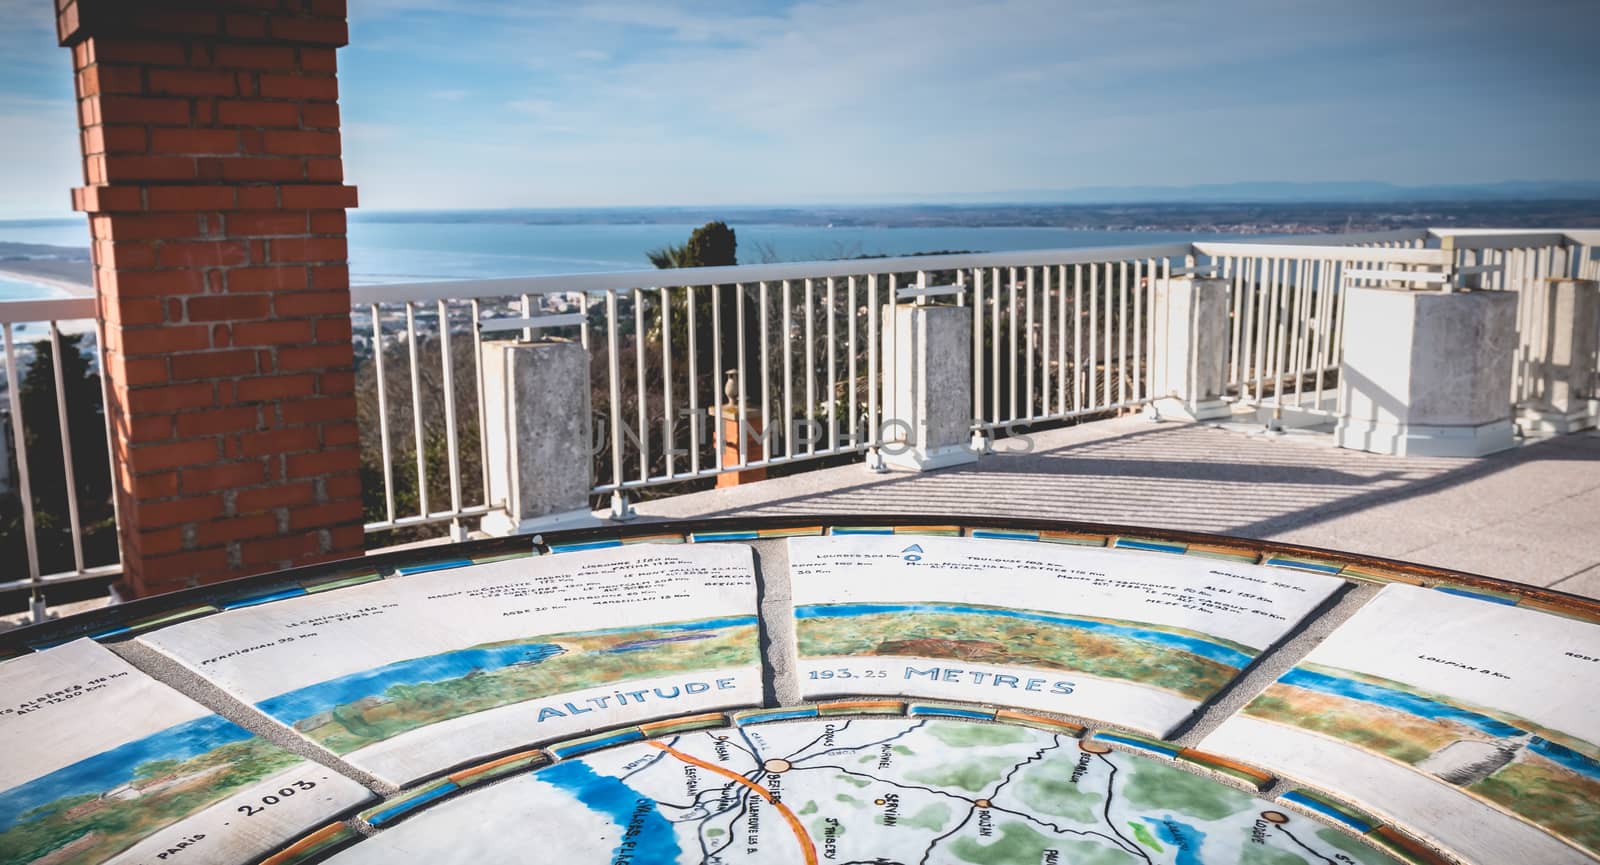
(194, 140)
(314, 357)
(270, 279)
(285, 549)
(254, 56)
(317, 410)
(331, 276)
(299, 87)
(124, 311)
(213, 364)
(342, 486)
(165, 282)
(126, 255)
(263, 168)
(134, 372)
(180, 570)
(150, 487)
(312, 303)
(258, 197)
(336, 383)
(328, 222)
(323, 463)
(323, 516)
(309, 249)
(149, 429)
(329, 170)
(139, 110)
(163, 340)
(181, 21)
(341, 434)
(320, 115)
(215, 532)
(318, 196)
(152, 52)
(221, 477)
(175, 455)
(154, 543)
(264, 498)
(150, 400)
(264, 223)
(275, 387)
(322, 31)
(189, 198)
(229, 307)
(127, 168)
(246, 26)
(285, 440)
(232, 112)
(329, 8)
(289, 332)
(218, 421)
(152, 226)
(192, 82)
(216, 253)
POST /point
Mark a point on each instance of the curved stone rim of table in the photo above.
(119, 623)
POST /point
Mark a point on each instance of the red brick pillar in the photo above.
(214, 189)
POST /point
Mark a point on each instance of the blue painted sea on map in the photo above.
(1182, 837)
(111, 769)
(651, 838)
(1194, 645)
(1435, 710)
(302, 703)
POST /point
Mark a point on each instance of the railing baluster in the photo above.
(788, 370)
(619, 498)
(742, 347)
(766, 373)
(811, 363)
(451, 445)
(483, 417)
(1012, 355)
(833, 370)
(1027, 392)
(994, 351)
(977, 347)
(642, 399)
(73, 518)
(693, 348)
(1122, 332)
(383, 415)
(1078, 378)
(850, 358)
(414, 360)
(669, 444)
(19, 438)
(874, 425)
(1094, 336)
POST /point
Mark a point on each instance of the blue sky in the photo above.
(499, 103)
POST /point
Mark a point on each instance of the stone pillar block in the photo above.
(927, 387)
(1189, 331)
(538, 419)
(1560, 342)
(1427, 373)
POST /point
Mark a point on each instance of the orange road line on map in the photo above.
(807, 848)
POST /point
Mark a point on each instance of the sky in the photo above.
(520, 103)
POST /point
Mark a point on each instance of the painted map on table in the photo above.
(864, 790)
(413, 675)
(105, 765)
(1138, 639)
(1471, 721)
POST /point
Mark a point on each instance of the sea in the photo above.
(424, 249)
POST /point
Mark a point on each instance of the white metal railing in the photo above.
(23, 325)
(794, 349)
(701, 372)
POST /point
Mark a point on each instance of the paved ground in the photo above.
(1531, 514)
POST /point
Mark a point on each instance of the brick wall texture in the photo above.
(213, 184)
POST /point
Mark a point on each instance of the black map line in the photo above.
(906, 732)
(1303, 846)
(1110, 795)
(795, 754)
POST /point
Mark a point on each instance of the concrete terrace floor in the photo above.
(1530, 514)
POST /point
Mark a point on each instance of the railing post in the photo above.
(1427, 373)
(537, 415)
(1561, 393)
(1189, 329)
(927, 388)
